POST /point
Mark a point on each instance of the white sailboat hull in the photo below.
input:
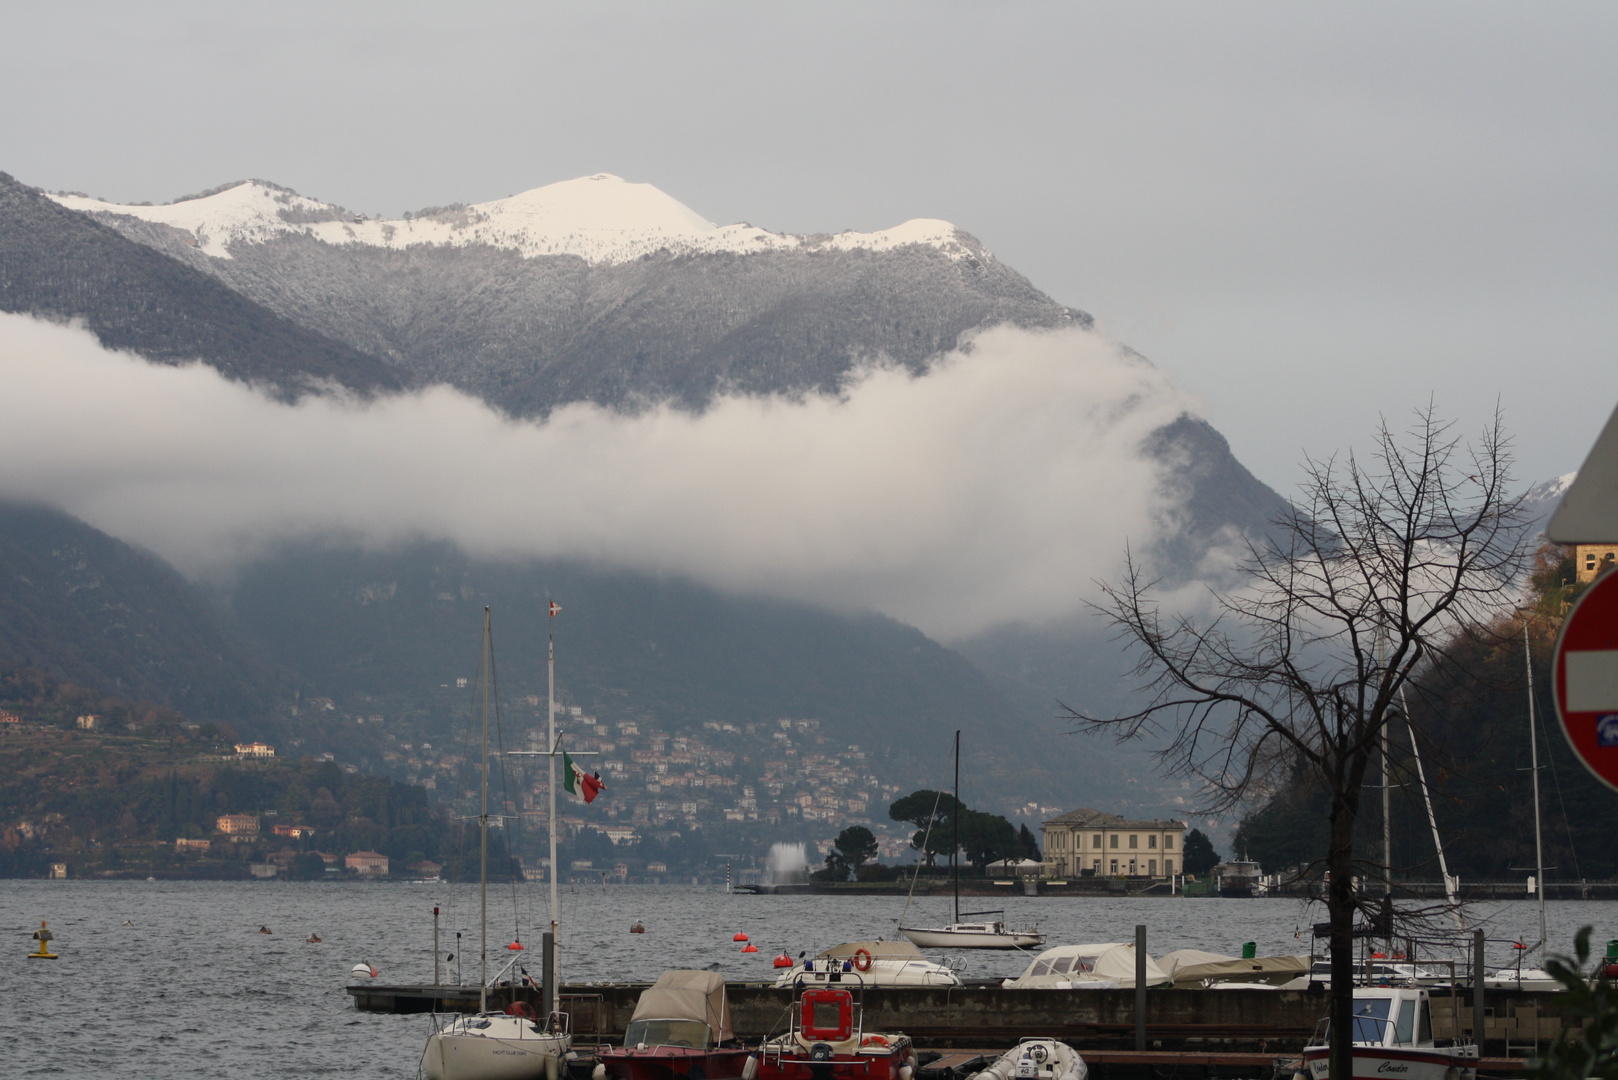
(503, 1051)
(950, 937)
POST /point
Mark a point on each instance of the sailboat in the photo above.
(511, 1044)
(982, 934)
(1519, 977)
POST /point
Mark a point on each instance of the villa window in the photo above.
(1134, 840)
(1168, 867)
(1151, 841)
(1114, 839)
(1168, 842)
(1151, 867)
(1096, 840)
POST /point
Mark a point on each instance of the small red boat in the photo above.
(827, 1040)
(680, 1030)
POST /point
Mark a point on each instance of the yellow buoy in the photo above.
(43, 936)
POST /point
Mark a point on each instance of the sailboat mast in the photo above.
(1533, 742)
(954, 851)
(550, 713)
(483, 835)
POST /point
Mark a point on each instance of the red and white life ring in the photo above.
(862, 959)
(874, 1040)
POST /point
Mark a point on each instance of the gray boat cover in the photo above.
(688, 995)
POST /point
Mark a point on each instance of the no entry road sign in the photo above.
(1585, 675)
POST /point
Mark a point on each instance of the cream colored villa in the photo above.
(1107, 845)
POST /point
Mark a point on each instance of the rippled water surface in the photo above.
(192, 989)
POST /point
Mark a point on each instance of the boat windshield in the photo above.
(1370, 1016)
(687, 1033)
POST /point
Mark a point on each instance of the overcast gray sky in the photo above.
(1306, 214)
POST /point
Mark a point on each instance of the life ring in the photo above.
(862, 959)
(874, 1040)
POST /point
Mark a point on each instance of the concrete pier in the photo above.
(1248, 1022)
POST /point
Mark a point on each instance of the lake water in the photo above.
(191, 988)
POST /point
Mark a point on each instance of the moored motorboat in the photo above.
(826, 1040)
(1037, 1059)
(1393, 1036)
(876, 963)
(680, 1029)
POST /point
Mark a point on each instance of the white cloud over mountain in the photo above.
(995, 488)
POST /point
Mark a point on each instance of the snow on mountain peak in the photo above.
(601, 218)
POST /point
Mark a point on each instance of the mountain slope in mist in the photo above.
(63, 265)
(538, 300)
(98, 612)
(395, 627)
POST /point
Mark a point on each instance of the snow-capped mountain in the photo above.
(594, 289)
(602, 219)
(1541, 500)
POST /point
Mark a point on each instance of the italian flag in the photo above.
(575, 781)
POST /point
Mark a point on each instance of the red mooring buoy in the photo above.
(783, 961)
(749, 948)
(739, 936)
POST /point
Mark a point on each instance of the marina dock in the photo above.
(1202, 1033)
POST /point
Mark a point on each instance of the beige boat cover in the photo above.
(1110, 962)
(879, 950)
(1192, 968)
(688, 995)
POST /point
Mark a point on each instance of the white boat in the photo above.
(1106, 966)
(495, 1045)
(1037, 1059)
(876, 963)
(1523, 979)
(991, 934)
(1393, 1037)
(974, 935)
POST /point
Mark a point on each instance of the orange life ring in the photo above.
(862, 959)
(874, 1040)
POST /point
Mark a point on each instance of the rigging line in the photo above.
(1567, 823)
(512, 838)
(926, 836)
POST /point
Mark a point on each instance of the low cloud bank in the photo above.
(994, 489)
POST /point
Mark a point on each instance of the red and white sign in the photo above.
(1584, 673)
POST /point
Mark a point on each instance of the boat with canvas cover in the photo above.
(680, 1030)
(1393, 1038)
(1193, 968)
(1108, 966)
(826, 1040)
(1037, 1059)
(876, 963)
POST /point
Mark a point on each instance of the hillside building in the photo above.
(367, 863)
(1099, 844)
(1591, 560)
(238, 824)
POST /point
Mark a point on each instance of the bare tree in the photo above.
(1368, 579)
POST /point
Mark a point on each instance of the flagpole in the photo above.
(550, 763)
